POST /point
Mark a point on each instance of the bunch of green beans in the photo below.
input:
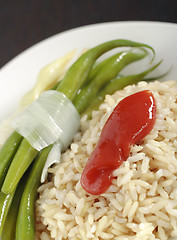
(83, 82)
(118, 83)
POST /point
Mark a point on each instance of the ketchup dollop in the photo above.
(131, 120)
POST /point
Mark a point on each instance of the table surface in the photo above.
(24, 23)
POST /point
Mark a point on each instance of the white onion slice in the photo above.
(51, 118)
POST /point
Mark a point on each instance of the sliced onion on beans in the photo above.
(51, 118)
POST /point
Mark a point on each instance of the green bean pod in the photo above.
(25, 228)
(99, 65)
(109, 70)
(22, 160)
(7, 153)
(79, 71)
(117, 84)
(8, 232)
(9, 226)
(5, 202)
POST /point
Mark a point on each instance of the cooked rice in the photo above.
(142, 201)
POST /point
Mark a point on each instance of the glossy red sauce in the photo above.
(131, 120)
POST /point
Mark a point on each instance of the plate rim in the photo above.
(80, 28)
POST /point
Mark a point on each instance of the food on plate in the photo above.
(45, 129)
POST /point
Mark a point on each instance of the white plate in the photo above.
(19, 75)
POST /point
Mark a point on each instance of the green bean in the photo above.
(7, 153)
(80, 70)
(23, 158)
(8, 232)
(117, 84)
(99, 65)
(25, 228)
(5, 202)
(108, 71)
(9, 226)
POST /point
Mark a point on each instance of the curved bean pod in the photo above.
(117, 84)
(108, 71)
(79, 71)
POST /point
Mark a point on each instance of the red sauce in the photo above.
(131, 120)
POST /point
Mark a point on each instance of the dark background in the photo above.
(26, 22)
